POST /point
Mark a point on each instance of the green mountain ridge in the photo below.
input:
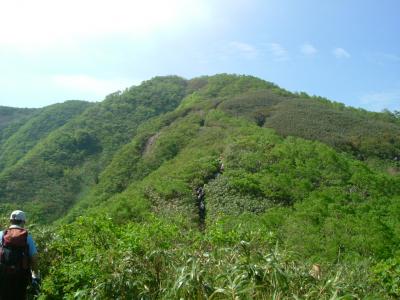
(11, 114)
(36, 128)
(11, 118)
(318, 178)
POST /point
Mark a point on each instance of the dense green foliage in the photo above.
(96, 259)
(290, 181)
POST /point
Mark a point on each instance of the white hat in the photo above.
(18, 215)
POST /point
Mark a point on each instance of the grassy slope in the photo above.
(263, 171)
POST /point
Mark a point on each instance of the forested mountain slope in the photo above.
(210, 187)
(10, 114)
(36, 128)
(11, 118)
(361, 133)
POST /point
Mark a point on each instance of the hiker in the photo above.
(200, 202)
(18, 260)
(316, 271)
(200, 194)
(221, 167)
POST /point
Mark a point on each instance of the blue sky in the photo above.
(345, 50)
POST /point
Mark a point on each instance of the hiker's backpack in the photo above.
(14, 252)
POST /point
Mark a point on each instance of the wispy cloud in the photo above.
(278, 52)
(246, 50)
(390, 57)
(86, 83)
(308, 49)
(340, 53)
(377, 101)
(381, 58)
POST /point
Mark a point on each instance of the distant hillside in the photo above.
(36, 128)
(10, 114)
(11, 118)
(65, 160)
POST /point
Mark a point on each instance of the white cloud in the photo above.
(278, 51)
(42, 23)
(246, 50)
(378, 101)
(87, 84)
(340, 53)
(308, 49)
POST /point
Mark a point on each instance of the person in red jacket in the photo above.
(18, 259)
